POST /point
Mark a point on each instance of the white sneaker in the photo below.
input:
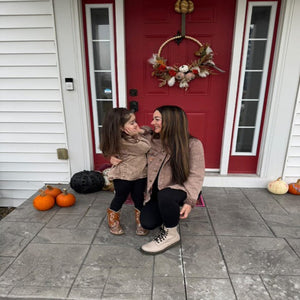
(167, 238)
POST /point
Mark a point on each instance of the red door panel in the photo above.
(148, 24)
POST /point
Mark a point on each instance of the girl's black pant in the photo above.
(125, 187)
(163, 208)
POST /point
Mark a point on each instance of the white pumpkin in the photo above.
(278, 187)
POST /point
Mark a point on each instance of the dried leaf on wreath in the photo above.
(198, 52)
(203, 59)
(163, 82)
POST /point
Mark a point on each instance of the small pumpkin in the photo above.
(65, 199)
(294, 188)
(43, 201)
(278, 187)
(53, 191)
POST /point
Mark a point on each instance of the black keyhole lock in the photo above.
(134, 106)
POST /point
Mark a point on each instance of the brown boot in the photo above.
(139, 229)
(113, 219)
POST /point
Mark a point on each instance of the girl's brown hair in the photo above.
(175, 137)
(111, 133)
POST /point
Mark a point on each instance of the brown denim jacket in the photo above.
(159, 163)
(134, 161)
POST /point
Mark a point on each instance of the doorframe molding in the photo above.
(120, 52)
(237, 43)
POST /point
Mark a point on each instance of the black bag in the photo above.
(85, 182)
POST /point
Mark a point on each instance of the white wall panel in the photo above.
(26, 21)
(32, 128)
(29, 83)
(58, 177)
(292, 164)
(32, 137)
(34, 167)
(30, 147)
(32, 123)
(35, 95)
(31, 117)
(27, 47)
(29, 157)
(31, 106)
(28, 59)
(30, 72)
(20, 34)
(25, 8)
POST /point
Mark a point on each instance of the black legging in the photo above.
(163, 208)
(125, 187)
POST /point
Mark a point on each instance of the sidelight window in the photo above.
(100, 36)
(252, 86)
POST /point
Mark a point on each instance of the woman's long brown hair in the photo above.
(111, 133)
(175, 137)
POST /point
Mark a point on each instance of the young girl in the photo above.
(121, 139)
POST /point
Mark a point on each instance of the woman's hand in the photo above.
(134, 131)
(185, 211)
(114, 160)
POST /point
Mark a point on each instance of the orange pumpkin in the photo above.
(65, 199)
(53, 191)
(43, 201)
(294, 188)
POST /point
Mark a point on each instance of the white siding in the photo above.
(32, 123)
(292, 165)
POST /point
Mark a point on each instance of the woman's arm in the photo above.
(194, 183)
(114, 160)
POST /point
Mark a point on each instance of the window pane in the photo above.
(103, 85)
(245, 140)
(102, 108)
(100, 24)
(101, 55)
(252, 83)
(256, 55)
(248, 113)
(260, 22)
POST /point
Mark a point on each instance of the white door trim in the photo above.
(120, 49)
(68, 22)
(237, 43)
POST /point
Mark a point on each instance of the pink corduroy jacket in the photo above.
(159, 162)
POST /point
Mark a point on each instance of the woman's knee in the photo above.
(170, 196)
(150, 219)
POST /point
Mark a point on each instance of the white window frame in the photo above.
(251, 4)
(92, 70)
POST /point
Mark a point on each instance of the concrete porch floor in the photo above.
(245, 244)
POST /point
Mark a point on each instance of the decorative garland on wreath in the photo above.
(200, 68)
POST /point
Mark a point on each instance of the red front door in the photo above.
(150, 23)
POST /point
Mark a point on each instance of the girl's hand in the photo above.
(114, 160)
(185, 211)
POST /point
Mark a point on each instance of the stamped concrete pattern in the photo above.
(243, 245)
